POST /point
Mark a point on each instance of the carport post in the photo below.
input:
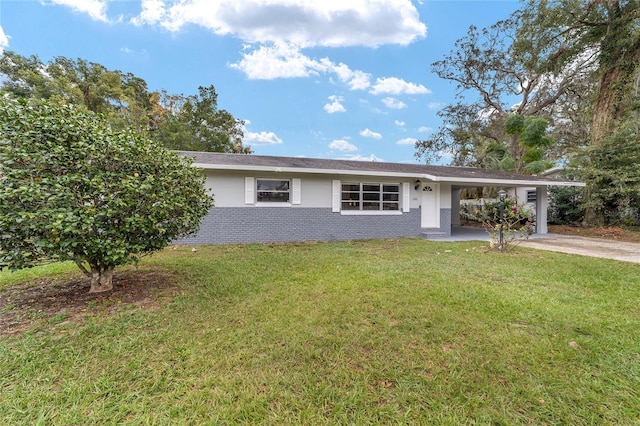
(502, 194)
(541, 209)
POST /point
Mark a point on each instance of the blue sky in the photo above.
(316, 78)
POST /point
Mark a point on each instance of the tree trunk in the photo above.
(101, 279)
(609, 106)
(516, 152)
(619, 56)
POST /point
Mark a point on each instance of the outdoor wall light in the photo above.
(417, 184)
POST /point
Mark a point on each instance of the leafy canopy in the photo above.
(574, 63)
(176, 121)
(613, 170)
(72, 188)
(194, 123)
(533, 141)
(496, 76)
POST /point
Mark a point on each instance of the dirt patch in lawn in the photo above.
(55, 300)
(615, 233)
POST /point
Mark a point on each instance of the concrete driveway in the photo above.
(593, 247)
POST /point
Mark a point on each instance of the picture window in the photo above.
(370, 197)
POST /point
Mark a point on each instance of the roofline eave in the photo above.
(432, 178)
(313, 171)
(508, 182)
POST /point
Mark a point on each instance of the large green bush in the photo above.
(565, 205)
(74, 189)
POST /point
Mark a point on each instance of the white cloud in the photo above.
(425, 129)
(283, 60)
(153, 12)
(335, 105)
(96, 9)
(356, 79)
(259, 138)
(4, 40)
(305, 23)
(435, 105)
(277, 61)
(277, 30)
(397, 86)
(372, 157)
(487, 113)
(342, 145)
(407, 141)
(370, 134)
(399, 123)
(393, 103)
(446, 155)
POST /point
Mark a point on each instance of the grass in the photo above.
(31, 274)
(374, 332)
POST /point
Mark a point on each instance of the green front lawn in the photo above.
(375, 332)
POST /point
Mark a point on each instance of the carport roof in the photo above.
(452, 174)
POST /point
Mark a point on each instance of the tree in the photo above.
(612, 169)
(72, 188)
(176, 121)
(565, 205)
(533, 143)
(122, 98)
(195, 123)
(495, 76)
(24, 77)
(512, 220)
(575, 63)
(607, 30)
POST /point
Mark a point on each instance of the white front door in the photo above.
(430, 205)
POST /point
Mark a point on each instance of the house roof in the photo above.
(452, 174)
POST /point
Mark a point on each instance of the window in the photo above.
(531, 196)
(370, 196)
(272, 191)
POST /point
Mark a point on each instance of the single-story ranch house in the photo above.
(279, 199)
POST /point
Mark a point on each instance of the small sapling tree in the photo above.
(72, 188)
(517, 223)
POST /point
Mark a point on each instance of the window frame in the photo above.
(289, 191)
(363, 195)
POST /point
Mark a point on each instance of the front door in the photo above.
(430, 205)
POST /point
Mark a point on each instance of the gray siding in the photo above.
(445, 225)
(225, 225)
(445, 221)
